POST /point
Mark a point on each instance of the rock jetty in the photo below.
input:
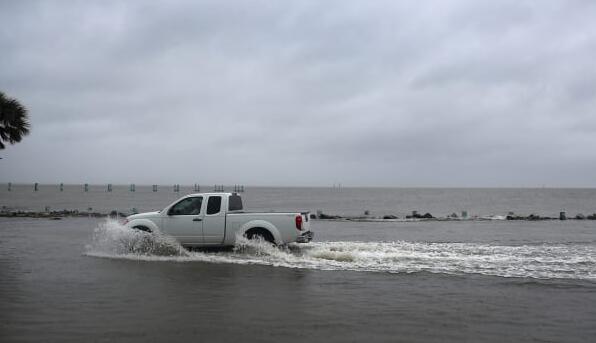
(415, 216)
(60, 214)
(320, 215)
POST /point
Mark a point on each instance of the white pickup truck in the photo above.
(215, 219)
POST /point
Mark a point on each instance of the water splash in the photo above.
(113, 239)
(544, 261)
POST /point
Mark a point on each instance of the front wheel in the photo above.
(142, 228)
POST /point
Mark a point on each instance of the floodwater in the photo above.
(492, 281)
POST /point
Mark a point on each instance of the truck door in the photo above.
(214, 222)
(184, 221)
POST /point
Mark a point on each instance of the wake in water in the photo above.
(545, 261)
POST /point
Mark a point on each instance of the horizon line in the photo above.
(332, 186)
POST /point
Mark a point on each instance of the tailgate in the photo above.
(305, 235)
(305, 221)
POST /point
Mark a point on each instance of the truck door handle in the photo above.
(197, 220)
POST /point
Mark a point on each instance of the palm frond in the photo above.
(14, 122)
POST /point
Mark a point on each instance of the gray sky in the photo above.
(379, 93)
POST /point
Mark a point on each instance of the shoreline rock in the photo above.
(57, 215)
(416, 215)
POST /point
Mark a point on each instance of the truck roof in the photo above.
(211, 193)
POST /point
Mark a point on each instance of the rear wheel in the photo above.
(261, 234)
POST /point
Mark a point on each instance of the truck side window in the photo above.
(186, 207)
(235, 203)
(213, 205)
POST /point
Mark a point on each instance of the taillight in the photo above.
(299, 223)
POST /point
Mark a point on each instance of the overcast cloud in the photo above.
(380, 93)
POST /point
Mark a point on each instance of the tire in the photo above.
(259, 233)
(142, 228)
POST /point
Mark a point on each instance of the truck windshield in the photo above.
(188, 206)
(235, 203)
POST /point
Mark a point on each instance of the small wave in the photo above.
(494, 217)
(541, 261)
